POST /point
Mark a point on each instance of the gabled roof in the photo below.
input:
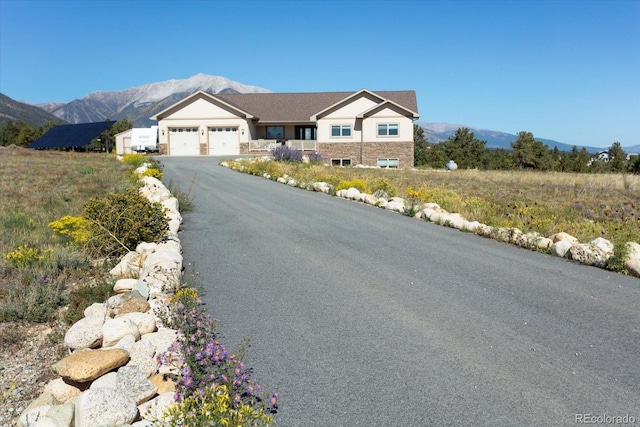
(201, 94)
(345, 101)
(387, 103)
(65, 136)
(296, 107)
(303, 107)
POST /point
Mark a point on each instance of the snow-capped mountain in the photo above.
(140, 102)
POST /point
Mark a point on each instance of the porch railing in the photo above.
(270, 144)
(262, 144)
(303, 144)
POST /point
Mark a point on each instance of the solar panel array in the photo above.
(68, 136)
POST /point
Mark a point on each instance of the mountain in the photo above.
(141, 102)
(438, 132)
(11, 110)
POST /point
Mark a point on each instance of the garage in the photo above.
(224, 141)
(184, 142)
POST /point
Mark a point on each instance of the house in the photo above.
(137, 140)
(345, 128)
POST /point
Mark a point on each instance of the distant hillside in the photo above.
(438, 132)
(141, 102)
(12, 110)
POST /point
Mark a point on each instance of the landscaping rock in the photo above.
(114, 329)
(561, 247)
(104, 407)
(352, 193)
(145, 322)
(64, 391)
(134, 305)
(633, 266)
(135, 383)
(155, 408)
(128, 267)
(124, 285)
(87, 365)
(85, 333)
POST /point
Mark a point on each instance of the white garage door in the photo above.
(224, 141)
(184, 142)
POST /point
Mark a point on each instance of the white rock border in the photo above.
(132, 393)
(595, 253)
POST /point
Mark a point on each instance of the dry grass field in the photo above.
(584, 205)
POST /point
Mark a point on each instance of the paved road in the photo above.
(363, 317)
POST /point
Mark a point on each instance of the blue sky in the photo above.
(563, 70)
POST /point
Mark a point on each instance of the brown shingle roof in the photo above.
(299, 107)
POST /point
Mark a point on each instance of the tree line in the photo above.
(526, 153)
(21, 134)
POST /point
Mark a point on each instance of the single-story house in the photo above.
(345, 128)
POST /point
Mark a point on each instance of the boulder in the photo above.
(561, 247)
(396, 206)
(128, 267)
(62, 415)
(352, 193)
(108, 380)
(562, 236)
(135, 383)
(134, 305)
(155, 408)
(163, 383)
(146, 322)
(116, 328)
(370, 199)
(322, 187)
(633, 251)
(633, 267)
(87, 365)
(85, 333)
(64, 390)
(105, 407)
(142, 355)
(96, 309)
(124, 285)
(587, 253)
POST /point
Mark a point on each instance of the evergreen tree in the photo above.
(465, 149)
(420, 146)
(617, 158)
(529, 153)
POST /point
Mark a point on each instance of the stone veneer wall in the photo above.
(402, 150)
(162, 149)
(371, 152)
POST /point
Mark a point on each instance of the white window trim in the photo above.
(342, 127)
(386, 160)
(387, 124)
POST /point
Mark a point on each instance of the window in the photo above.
(388, 163)
(388, 129)
(340, 162)
(275, 132)
(341, 130)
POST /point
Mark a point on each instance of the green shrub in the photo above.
(153, 172)
(359, 184)
(185, 200)
(134, 159)
(382, 184)
(120, 221)
(33, 299)
(83, 297)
